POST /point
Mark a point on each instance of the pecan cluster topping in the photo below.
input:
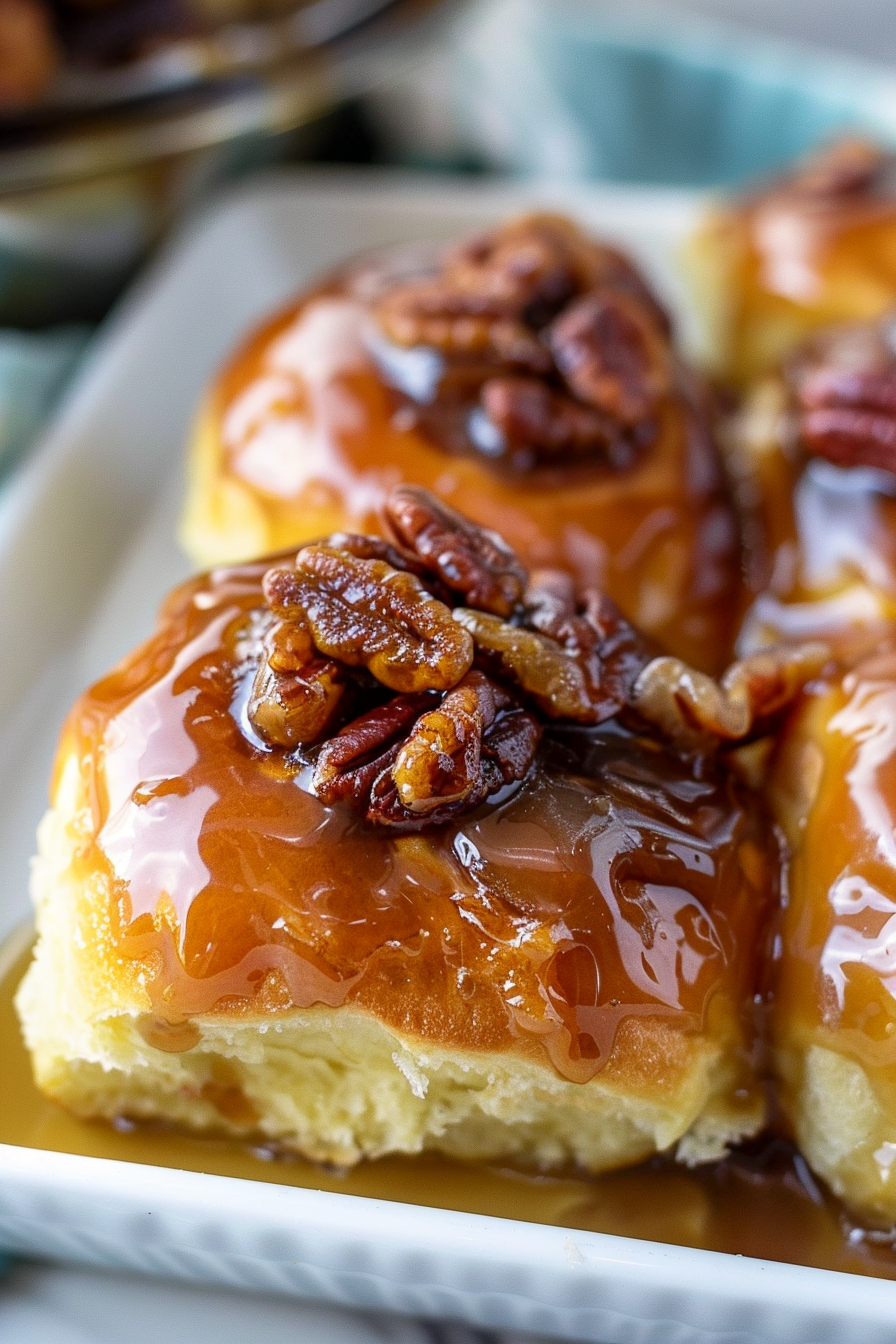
(416, 676)
(551, 345)
(844, 386)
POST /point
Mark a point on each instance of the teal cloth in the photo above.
(34, 369)
(575, 89)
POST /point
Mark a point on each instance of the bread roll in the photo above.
(834, 1021)
(540, 941)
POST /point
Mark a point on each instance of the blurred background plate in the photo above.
(94, 172)
(156, 102)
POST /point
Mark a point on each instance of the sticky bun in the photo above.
(834, 1016)
(527, 377)
(814, 248)
(393, 844)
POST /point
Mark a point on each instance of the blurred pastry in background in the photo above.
(527, 377)
(43, 43)
(812, 451)
(814, 248)
(69, 55)
(390, 846)
(834, 1015)
(29, 52)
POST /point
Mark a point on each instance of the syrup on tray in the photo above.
(761, 1203)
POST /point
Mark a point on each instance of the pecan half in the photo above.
(417, 761)
(455, 757)
(440, 762)
(490, 295)
(844, 383)
(612, 355)
(851, 437)
(537, 665)
(367, 614)
(830, 385)
(348, 764)
(530, 266)
(695, 710)
(295, 693)
(427, 316)
(468, 559)
(610, 652)
(529, 414)
(509, 747)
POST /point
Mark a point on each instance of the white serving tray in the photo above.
(86, 552)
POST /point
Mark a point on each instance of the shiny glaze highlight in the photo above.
(819, 539)
(834, 785)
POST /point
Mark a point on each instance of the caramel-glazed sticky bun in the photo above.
(815, 248)
(834, 1020)
(527, 377)
(814, 448)
(394, 844)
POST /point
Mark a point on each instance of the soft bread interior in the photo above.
(338, 1084)
(845, 1130)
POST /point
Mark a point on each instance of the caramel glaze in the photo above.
(617, 883)
(820, 542)
(800, 262)
(305, 420)
(835, 790)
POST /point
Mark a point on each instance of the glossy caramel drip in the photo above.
(835, 788)
(762, 1203)
(820, 539)
(617, 883)
(309, 434)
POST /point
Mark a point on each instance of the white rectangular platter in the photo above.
(86, 552)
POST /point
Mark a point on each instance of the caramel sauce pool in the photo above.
(764, 1205)
(617, 883)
